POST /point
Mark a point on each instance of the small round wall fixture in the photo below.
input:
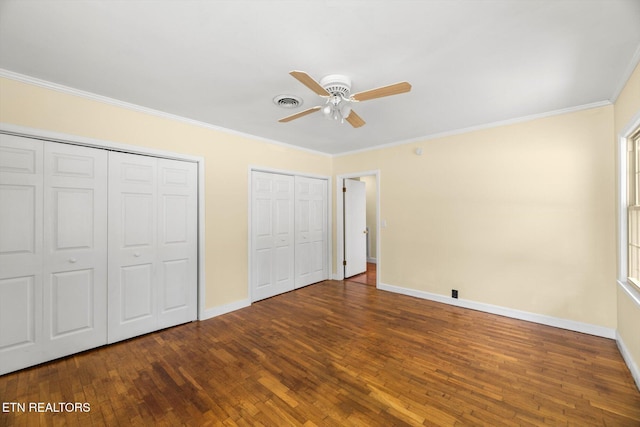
(287, 101)
(418, 151)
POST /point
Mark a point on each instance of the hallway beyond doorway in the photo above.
(367, 278)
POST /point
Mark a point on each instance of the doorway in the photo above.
(372, 258)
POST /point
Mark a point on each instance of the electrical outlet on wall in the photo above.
(454, 293)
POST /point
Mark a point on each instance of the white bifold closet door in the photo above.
(272, 222)
(289, 233)
(53, 232)
(75, 248)
(152, 244)
(311, 230)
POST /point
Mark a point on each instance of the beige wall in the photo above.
(227, 159)
(626, 108)
(519, 216)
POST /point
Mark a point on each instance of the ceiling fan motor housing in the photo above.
(337, 84)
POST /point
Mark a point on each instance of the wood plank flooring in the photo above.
(338, 354)
(368, 277)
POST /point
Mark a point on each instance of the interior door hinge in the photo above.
(344, 262)
(344, 189)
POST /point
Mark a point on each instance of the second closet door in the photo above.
(272, 234)
(152, 244)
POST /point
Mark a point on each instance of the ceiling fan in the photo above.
(337, 89)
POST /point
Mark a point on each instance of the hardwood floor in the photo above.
(368, 277)
(338, 354)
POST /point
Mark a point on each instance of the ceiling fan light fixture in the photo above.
(337, 85)
(336, 89)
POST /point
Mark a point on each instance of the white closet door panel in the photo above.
(272, 269)
(133, 205)
(138, 220)
(21, 252)
(136, 294)
(21, 187)
(17, 307)
(262, 274)
(72, 303)
(18, 219)
(177, 242)
(311, 236)
(20, 322)
(262, 218)
(75, 239)
(153, 244)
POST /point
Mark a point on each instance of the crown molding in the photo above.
(145, 110)
(481, 127)
(633, 63)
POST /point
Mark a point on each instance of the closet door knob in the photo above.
(72, 260)
(136, 254)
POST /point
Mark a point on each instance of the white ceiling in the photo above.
(470, 63)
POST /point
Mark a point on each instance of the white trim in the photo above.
(631, 290)
(286, 172)
(571, 325)
(623, 247)
(134, 149)
(631, 66)
(225, 308)
(623, 137)
(479, 127)
(339, 274)
(626, 355)
(289, 172)
(140, 109)
(201, 241)
(66, 138)
(372, 260)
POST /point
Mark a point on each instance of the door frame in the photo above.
(340, 223)
(52, 136)
(255, 168)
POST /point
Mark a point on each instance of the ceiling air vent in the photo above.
(287, 101)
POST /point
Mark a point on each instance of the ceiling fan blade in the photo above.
(355, 120)
(298, 115)
(309, 82)
(393, 89)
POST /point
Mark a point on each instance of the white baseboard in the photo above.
(631, 364)
(571, 325)
(224, 309)
(372, 260)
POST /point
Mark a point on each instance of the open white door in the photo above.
(355, 227)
